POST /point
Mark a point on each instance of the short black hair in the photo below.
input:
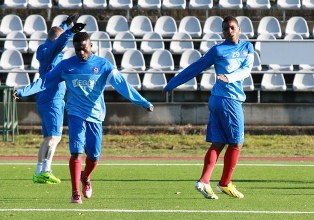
(229, 18)
(80, 37)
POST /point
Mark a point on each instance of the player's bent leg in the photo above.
(47, 175)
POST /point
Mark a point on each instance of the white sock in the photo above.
(39, 167)
(46, 166)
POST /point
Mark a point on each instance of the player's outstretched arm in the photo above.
(127, 91)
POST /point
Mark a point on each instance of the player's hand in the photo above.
(150, 108)
(78, 27)
(72, 18)
(15, 95)
(222, 78)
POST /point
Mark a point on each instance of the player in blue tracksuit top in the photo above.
(85, 76)
(50, 104)
(233, 61)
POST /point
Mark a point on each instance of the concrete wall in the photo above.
(181, 114)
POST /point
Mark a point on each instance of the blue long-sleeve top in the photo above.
(235, 61)
(85, 82)
(49, 54)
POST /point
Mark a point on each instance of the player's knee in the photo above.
(53, 141)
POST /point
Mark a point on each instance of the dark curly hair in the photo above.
(229, 18)
(80, 37)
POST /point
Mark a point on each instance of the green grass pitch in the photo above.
(160, 190)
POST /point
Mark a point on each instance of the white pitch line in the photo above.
(157, 211)
(167, 164)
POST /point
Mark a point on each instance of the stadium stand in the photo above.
(132, 78)
(91, 23)
(269, 25)
(10, 23)
(258, 4)
(213, 25)
(34, 63)
(33, 4)
(154, 81)
(150, 43)
(257, 66)
(133, 59)
(273, 82)
(70, 4)
(248, 83)
(100, 40)
(19, 4)
(162, 60)
(246, 26)
(201, 4)
(191, 25)
(149, 4)
(297, 25)
(188, 57)
(261, 37)
(230, 4)
(173, 4)
(307, 4)
(208, 80)
(16, 40)
(17, 78)
(166, 26)
(36, 39)
(209, 40)
(94, 4)
(34, 23)
(303, 81)
(11, 59)
(117, 24)
(140, 25)
(181, 42)
(122, 4)
(123, 41)
(108, 55)
(57, 20)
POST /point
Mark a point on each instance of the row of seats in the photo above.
(136, 59)
(132, 58)
(166, 26)
(161, 4)
(155, 80)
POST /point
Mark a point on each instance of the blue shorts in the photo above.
(226, 121)
(51, 114)
(84, 136)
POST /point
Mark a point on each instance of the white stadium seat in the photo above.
(191, 25)
(181, 42)
(17, 78)
(117, 24)
(34, 23)
(10, 23)
(140, 25)
(11, 59)
(269, 25)
(166, 26)
(273, 82)
(162, 60)
(11, 41)
(148, 47)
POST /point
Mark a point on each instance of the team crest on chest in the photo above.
(95, 70)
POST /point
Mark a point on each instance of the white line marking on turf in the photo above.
(158, 211)
(170, 164)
